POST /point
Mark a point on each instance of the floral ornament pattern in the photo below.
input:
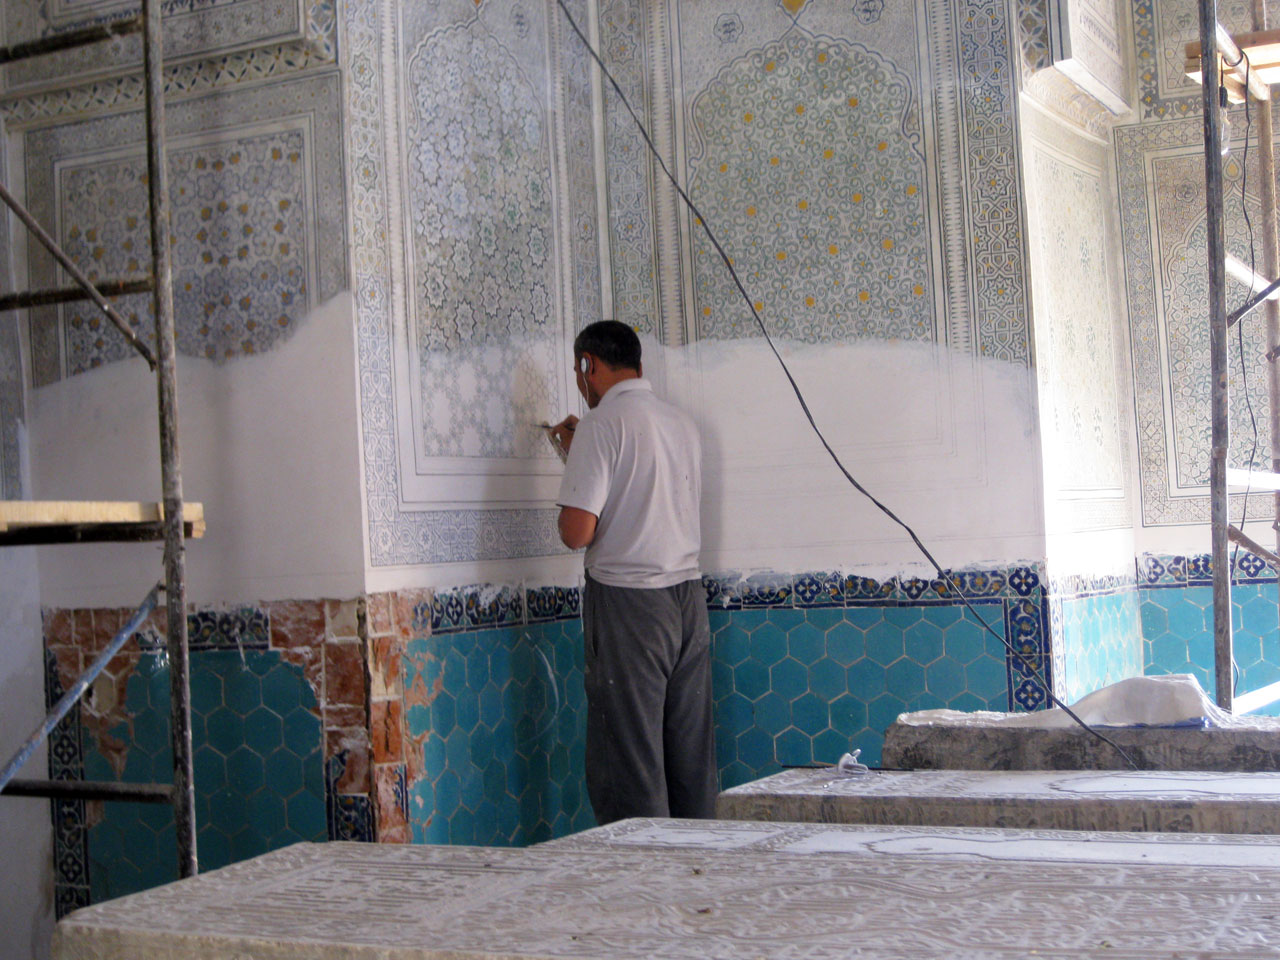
(239, 247)
(480, 202)
(809, 166)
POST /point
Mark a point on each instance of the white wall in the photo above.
(26, 832)
(268, 444)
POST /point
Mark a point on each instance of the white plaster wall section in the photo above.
(26, 835)
(268, 445)
(1079, 343)
(772, 498)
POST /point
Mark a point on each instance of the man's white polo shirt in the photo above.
(636, 463)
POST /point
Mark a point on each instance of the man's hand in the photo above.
(562, 432)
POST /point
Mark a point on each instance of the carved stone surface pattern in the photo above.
(548, 902)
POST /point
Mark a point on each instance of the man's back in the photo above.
(636, 464)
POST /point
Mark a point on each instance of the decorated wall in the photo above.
(863, 176)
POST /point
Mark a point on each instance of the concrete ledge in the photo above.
(1253, 744)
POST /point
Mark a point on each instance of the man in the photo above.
(630, 495)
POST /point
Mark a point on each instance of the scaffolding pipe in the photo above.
(1210, 65)
(1271, 265)
(76, 274)
(184, 814)
(44, 298)
(68, 699)
(69, 39)
(90, 790)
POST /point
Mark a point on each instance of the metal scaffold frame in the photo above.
(172, 520)
(1227, 74)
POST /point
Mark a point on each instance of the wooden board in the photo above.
(26, 514)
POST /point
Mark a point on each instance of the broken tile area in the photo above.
(329, 901)
(1177, 801)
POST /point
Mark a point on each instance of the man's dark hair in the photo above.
(613, 342)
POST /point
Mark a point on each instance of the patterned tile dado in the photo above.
(255, 180)
(1175, 570)
(70, 833)
(1162, 212)
(193, 28)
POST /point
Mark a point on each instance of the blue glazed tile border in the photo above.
(552, 603)
(350, 816)
(241, 628)
(1175, 570)
(477, 607)
(70, 826)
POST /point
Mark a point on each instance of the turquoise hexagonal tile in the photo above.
(924, 642)
(1185, 617)
(809, 714)
(245, 774)
(755, 749)
(848, 714)
(827, 678)
(443, 713)
(242, 690)
(768, 644)
(481, 746)
(151, 731)
(987, 680)
(751, 678)
(478, 661)
(793, 748)
(885, 643)
(285, 772)
(467, 709)
(263, 731)
(945, 678)
(1168, 649)
(491, 705)
(206, 688)
(210, 770)
(225, 730)
(905, 679)
(806, 643)
(282, 688)
(866, 679)
(968, 703)
(829, 746)
(772, 713)
(788, 678)
(448, 793)
(883, 710)
(732, 645)
(721, 678)
(845, 643)
(305, 814)
(457, 748)
(734, 712)
(471, 789)
(965, 641)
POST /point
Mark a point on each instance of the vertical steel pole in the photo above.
(1212, 115)
(170, 464)
(1271, 267)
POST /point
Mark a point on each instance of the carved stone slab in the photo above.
(1251, 743)
(1183, 801)
(933, 843)
(360, 902)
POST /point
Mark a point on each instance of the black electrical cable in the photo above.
(804, 406)
(1244, 370)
